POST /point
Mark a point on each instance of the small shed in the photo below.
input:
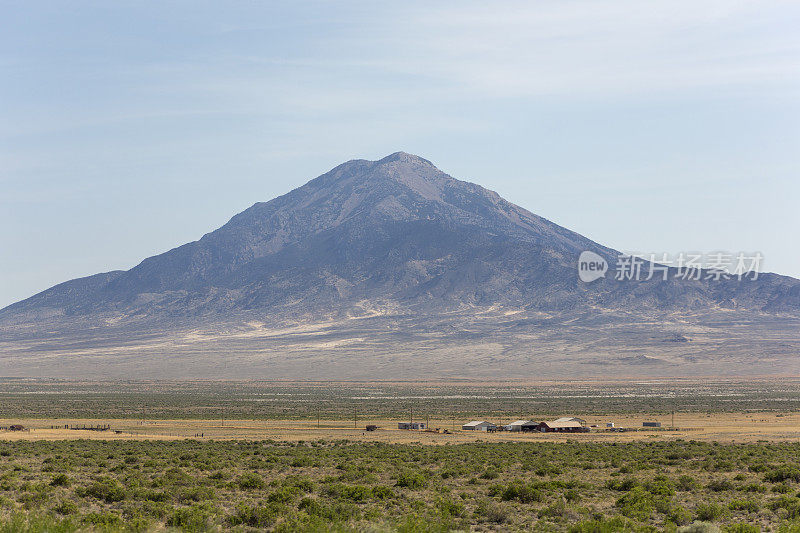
(479, 425)
(411, 425)
(651, 424)
(516, 425)
(371, 427)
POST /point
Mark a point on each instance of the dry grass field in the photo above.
(713, 427)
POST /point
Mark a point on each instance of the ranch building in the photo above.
(411, 425)
(479, 425)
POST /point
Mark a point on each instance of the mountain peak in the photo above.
(396, 167)
(407, 171)
(437, 267)
(405, 157)
(393, 230)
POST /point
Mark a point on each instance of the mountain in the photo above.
(398, 246)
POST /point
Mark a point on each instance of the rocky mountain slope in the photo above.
(395, 241)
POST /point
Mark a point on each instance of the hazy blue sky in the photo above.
(128, 128)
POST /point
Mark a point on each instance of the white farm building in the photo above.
(516, 425)
(479, 425)
(563, 419)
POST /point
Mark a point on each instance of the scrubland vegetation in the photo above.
(326, 483)
(342, 486)
(25, 398)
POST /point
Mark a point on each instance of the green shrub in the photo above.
(283, 495)
(783, 473)
(382, 492)
(255, 515)
(556, 510)
(354, 493)
(176, 476)
(490, 473)
(719, 485)
(488, 511)
(411, 480)
(416, 523)
(548, 470)
(744, 505)
(616, 524)
(66, 507)
(103, 519)
(521, 493)
(622, 485)
(155, 496)
(106, 489)
(448, 508)
(679, 516)
(741, 528)
(20, 523)
(709, 511)
(699, 527)
(250, 481)
(192, 519)
(792, 527)
(636, 503)
(302, 483)
(753, 487)
(340, 511)
(790, 504)
(660, 486)
(196, 494)
(60, 480)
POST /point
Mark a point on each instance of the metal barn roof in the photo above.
(564, 424)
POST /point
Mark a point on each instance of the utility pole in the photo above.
(673, 419)
(355, 417)
(317, 417)
(412, 415)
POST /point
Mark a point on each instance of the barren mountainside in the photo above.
(397, 246)
(396, 231)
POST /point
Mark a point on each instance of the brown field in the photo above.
(720, 427)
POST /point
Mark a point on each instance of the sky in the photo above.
(129, 128)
